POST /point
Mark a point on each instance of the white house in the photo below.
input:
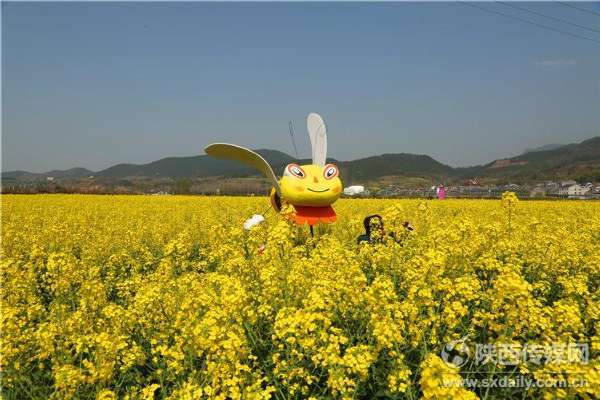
(568, 183)
(577, 190)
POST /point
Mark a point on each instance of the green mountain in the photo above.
(195, 166)
(69, 173)
(551, 146)
(580, 161)
(403, 164)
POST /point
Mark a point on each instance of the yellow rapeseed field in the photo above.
(148, 297)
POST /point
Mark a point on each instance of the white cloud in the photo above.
(558, 62)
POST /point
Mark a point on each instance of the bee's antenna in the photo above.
(266, 211)
(291, 125)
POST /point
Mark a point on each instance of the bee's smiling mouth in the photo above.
(318, 191)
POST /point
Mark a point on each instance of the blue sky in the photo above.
(94, 84)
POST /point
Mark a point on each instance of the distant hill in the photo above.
(574, 161)
(16, 174)
(403, 164)
(551, 146)
(578, 160)
(69, 173)
(199, 166)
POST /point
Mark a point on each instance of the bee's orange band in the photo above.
(314, 215)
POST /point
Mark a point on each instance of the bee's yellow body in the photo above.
(311, 189)
(314, 189)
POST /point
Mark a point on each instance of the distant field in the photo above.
(148, 297)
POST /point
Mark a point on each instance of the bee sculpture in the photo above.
(311, 189)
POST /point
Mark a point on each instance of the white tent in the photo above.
(354, 190)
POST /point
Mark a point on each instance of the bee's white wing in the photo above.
(317, 131)
(243, 155)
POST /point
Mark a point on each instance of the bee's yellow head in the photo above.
(311, 185)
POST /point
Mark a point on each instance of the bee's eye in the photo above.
(330, 171)
(295, 170)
